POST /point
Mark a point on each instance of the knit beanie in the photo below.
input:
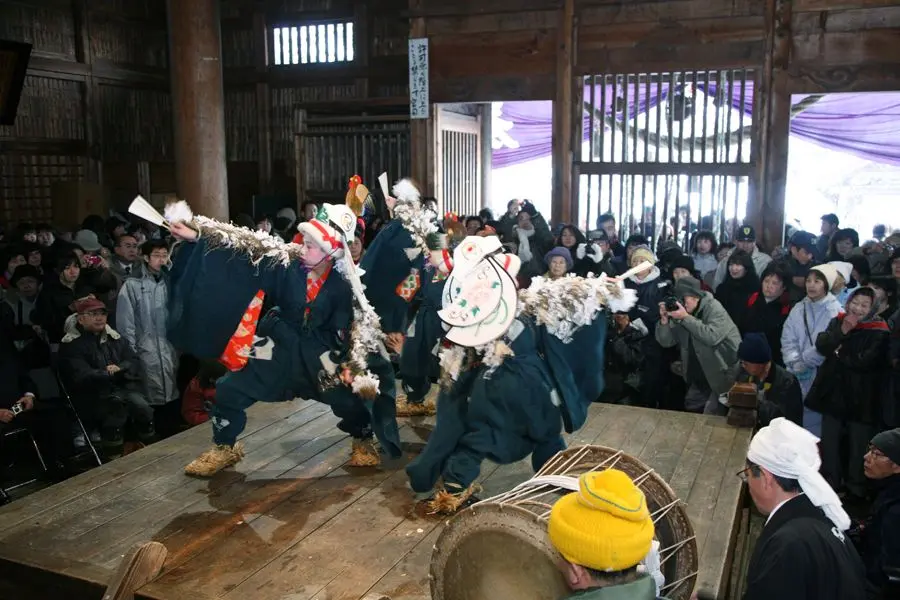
(828, 272)
(644, 253)
(755, 349)
(559, 251)
(889, 443)
(605, 525)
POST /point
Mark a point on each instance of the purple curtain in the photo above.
(866, 125)
(533, 122)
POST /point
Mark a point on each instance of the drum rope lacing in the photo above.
(553, 477)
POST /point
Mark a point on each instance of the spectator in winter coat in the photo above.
(768, 309)
(10, 258)
(848, 389)
(740, 283)
(142, 314)
(52, 305)
(607, 223)
(509, 220)
(802, 245)
(703, 251)
(624, 360)
(623, 263)
(558, 261)
(46, 421)
(778, 391)
(651, 290)
(878, 540)
(127, 261)
(102, 373)
(534, 240)
(570, 237)
(594, 256)
(845, 284)
(842, 244)
(707, 340)
(807, 320)
(745, 240)
(830, 225)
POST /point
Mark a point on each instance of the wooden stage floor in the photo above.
(292, 521)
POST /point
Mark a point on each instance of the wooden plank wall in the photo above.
(262, 101)
(96, 79)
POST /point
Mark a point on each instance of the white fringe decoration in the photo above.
(178, 212)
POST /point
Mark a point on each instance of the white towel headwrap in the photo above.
(787, 450)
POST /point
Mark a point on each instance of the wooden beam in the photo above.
(442, 8)
(822, 5)
(561, 210)
(98, 69)
(263, 100)
(611, 13)
(486, 88)
(874, 77)
(666, 169)
(671, 57)
(846, 48)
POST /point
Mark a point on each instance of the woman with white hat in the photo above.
(807, 320)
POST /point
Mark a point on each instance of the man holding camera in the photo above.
(707, 340)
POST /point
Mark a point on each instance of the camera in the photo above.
(671, 303)
(93, 261)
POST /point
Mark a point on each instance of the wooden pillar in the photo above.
(83, 54)
(421, 142)
(767, 206)
(561, 211)
(487, 152)
(198, 105)
(263, 101)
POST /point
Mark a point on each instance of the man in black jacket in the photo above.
(802, 553)
(19, 407)
(778, 391)
(878, 539)
(102, 372)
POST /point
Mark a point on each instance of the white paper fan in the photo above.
(145, 210)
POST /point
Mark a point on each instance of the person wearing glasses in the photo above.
(802, 552)
(878, 537)
(126, 263)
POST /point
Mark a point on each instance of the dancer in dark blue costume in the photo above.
(393, 268)
(514, 395)
(302, 346)
(419, 357)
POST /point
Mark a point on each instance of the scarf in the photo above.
(787, 450)
(525, 244)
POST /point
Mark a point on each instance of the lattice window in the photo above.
(667, 153)
(26, 184)
(313, 43)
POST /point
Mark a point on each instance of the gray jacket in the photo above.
(716, 339)
(141, 318)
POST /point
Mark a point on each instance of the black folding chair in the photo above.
(11, 433)
(67, 399)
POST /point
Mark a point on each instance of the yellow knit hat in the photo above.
(605, 525)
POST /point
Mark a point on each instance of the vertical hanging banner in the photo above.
(418, 78)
